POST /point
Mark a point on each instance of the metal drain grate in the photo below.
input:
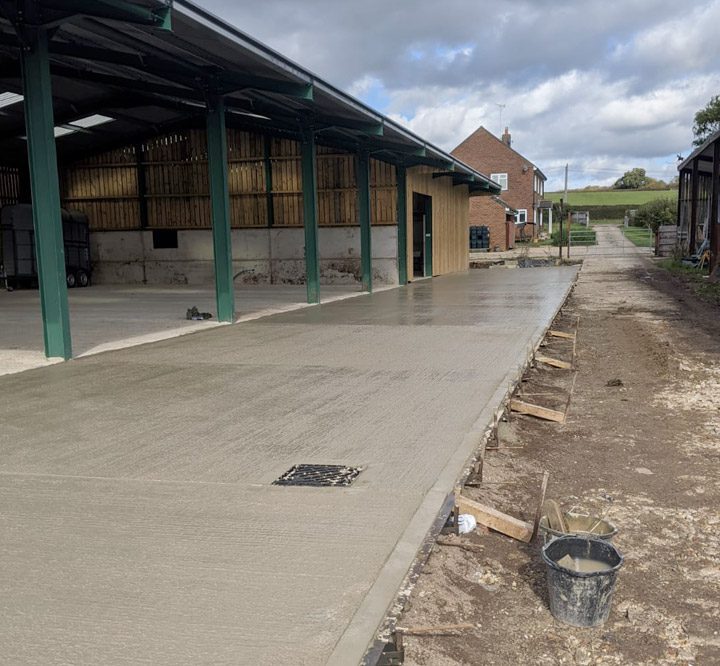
(318, 475)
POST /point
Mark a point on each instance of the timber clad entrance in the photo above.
(422, 235)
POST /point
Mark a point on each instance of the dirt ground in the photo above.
(645, 450)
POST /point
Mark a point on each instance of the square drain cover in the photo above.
(318, 475)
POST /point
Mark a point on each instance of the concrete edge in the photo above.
(380, 607)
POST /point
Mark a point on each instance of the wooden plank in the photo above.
(438, 630)
(554, 362)
(495, 520)
(541, 501)
(561, 334)
(536, 410)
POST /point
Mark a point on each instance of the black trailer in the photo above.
(17, 246)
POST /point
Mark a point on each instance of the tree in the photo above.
(631, 180)
(707, 121)
(656, 213)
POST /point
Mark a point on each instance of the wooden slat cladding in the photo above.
(450, 212)
(104, 187)
(176, 189)
(9, 186)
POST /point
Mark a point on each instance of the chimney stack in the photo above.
(506, 138)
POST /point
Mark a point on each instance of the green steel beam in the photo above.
(363, 185)
(47, 220)
(183, 73)
(220, 207)
(119, 10)
(325, 122)
(128, 83)
(308, 158)
(401, 177)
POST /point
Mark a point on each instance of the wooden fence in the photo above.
(164, 184)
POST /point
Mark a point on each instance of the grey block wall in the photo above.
(259, 256)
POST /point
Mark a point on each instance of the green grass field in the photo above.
(640, 236)
(611, 197)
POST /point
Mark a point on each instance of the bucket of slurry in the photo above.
(581, 575)
(579, 524)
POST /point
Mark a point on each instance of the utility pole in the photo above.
(561, 221)
(562, 214)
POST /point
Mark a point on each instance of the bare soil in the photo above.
(645, 450)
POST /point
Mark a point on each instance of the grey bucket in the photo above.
(578, 598)
(579, 524)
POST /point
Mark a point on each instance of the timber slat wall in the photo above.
(9, 186)
(450, 213)
(174, 168)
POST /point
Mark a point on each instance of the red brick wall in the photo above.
(486, 153)
(485, 211)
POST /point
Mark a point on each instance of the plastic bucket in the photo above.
(579, 524)
(580, 598)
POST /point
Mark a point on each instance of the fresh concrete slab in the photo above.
(113, 317)
(139, 520)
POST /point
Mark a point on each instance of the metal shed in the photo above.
(698, 207)
(97, 75)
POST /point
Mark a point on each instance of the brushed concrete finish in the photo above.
(138, 523)
(109, 317)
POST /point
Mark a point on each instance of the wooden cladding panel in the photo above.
(287, 182)
(9, 186)
(450, 212)
(104, 187)
(174, 168)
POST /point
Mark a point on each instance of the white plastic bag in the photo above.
(466, 523)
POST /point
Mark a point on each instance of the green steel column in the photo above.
(363, 183)
(220, 208)
(401, 177)
(310, 223)
(42, 158)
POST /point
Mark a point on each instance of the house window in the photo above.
(500, 179)
(522, 215)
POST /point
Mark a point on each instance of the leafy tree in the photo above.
(656, 213)
(707, 121)
(631, 180)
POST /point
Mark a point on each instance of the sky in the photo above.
(600, 85)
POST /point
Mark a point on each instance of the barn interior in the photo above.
(212, 172)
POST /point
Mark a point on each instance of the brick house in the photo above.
(499, 216)
(523, 184)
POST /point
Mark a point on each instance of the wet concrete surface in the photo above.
(107, 317)
(139, 521)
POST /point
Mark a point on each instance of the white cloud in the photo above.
(603, 85)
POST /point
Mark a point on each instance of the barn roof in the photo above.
(124, 70)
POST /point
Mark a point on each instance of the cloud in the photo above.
(602, 85)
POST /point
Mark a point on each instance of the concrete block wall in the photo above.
(259, 256)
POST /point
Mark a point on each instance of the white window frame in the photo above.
(501, 179)
(521, 216)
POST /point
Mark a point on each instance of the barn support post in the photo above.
(401, 177)
(308, 159)
(680, 218)
(45, 189)
(363, 183)
(694, 181)
(220, 209)
(714, 221)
